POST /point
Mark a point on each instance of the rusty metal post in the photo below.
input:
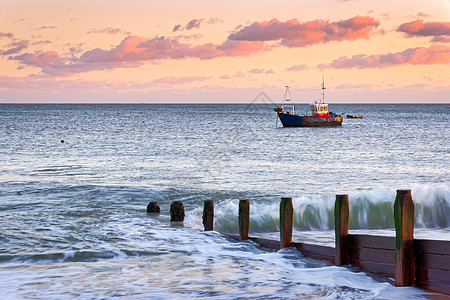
(286, 222)
(341, 220)
(208, 215)
(404, 238)
(244, 219)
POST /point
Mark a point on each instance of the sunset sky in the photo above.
(173, 51)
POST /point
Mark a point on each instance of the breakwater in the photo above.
(411, 262)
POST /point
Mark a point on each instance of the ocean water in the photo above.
(73, 221)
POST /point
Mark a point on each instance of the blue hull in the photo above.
(289, 120)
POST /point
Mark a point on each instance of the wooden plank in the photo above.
(233, 236)
(373, 255)
(328, 259)
(266, 243)
(374, 267)
(371, 241)
(433, 261)
(430, 246)
(435, 287)
(308, 249)
(433, 275)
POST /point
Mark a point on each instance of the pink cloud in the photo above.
(436, 54)
(39, 59)
(419, 28)
(238, 48)
(294, 33)
(132, 52)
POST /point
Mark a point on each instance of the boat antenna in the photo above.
(323, 89)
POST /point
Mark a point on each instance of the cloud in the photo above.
(297, 68)
(6, 34)
(195, 24)
(177, 27)
(294, 33)
(14, 50)
(435, 54)
(46, 42)
(39, 59)
(108, 30)
(441, 39)
(180, 80)
(419, 28)
(133, 51)
(46, 28)
(256, 71)
(16, 47)
(212, 21)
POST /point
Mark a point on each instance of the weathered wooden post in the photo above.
(404, 238)
(341, 219)
(176, 211)
(153, 207)
(286, 222)
(208, 215)
(244, 219)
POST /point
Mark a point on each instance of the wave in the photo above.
(371, 209)
(75, 256)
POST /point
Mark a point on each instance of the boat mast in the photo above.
(323, 90)
(286, 99)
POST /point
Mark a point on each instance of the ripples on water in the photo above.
(73, 214)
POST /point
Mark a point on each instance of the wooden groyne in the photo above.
(411, 262)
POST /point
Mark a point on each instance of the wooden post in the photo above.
(244, 219)
(176, 211)
(286, 222)
(341, 219)
(404, 238)
(208, 215)
(153, 207)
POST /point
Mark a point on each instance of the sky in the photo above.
(211, 51)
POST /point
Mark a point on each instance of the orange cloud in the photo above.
(419, 28)
(294, 33)
(436, 54)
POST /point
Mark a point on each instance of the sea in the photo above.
(75, 181)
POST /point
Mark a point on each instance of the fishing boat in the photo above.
(320, 116)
